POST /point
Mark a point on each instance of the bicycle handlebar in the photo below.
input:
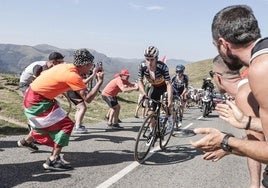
(156, 101)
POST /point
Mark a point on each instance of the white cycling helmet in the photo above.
(151, 51)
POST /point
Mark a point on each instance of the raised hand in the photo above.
(230, 113)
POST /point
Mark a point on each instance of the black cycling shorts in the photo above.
(155, 93)
(74, 97)
(111, 101)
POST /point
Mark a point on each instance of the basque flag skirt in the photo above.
(50, 124)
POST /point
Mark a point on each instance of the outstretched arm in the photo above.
(257, 150)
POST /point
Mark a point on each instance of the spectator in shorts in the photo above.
(109, 95)
(80, 104)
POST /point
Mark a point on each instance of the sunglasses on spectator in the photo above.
(211, 73)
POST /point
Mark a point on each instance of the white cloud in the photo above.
(152, 8)
(135, 6)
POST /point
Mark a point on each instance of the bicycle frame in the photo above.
(177, 104)
(152, 122)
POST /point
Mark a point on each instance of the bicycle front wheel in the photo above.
(165, 133)
(144, 140)
(176, 117)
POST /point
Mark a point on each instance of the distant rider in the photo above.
(208, 86)
(179, 83)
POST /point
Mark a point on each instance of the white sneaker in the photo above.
(80, 130)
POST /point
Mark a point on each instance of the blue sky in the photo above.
(120, 28)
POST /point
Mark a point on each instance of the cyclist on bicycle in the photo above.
(179, 83)
(157, 74)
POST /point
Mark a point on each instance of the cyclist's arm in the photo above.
(185, 86)
(186, 82)
(141, 87)
(184, 92)
(169, 91)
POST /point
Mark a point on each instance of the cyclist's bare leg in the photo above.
(143, 112)
(152, 121)
(182, 106)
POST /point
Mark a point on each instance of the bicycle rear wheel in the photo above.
(165, 133)
(145, 139)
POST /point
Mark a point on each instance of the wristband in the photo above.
(248, 124)
(224, 143)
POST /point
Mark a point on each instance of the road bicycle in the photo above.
(177, 102)
(154, 127)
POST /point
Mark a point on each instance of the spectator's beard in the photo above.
(221, 90)
(231, 60)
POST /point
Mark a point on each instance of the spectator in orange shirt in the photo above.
(109, 95)
(50, 124)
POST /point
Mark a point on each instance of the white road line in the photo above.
(200, 117)
(129, 168)
(125, 171)
(189, 125)
(118, 175)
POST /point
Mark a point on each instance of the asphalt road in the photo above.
(104, 158)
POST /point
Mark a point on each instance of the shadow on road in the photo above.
(18, 173)
(183, 133)
(14, 173)
(173, 155)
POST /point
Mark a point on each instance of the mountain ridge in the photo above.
(16, 57)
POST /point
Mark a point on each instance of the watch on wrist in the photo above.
(224, 143)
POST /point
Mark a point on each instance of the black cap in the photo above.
(55, 56)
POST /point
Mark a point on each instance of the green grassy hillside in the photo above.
(198, 71)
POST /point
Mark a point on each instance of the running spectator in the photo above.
(28, 75)
(109, 95)
(80, 104)
(50, 124)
